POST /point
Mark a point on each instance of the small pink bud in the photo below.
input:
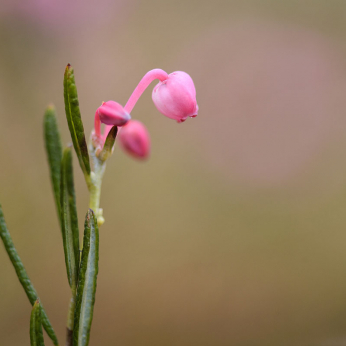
(175, 97)
(134, 139)
(113, 113)
(110, 113)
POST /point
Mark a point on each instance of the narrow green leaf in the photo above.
(69, 219)
(109, 144)
(74, 119)
(36, 335)
(23, 276)
(87, 282)
(54, 151)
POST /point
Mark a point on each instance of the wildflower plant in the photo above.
(175, 97)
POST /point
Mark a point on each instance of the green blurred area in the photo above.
(234, 231)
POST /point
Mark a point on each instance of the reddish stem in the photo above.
(97, 124)
(156, 73)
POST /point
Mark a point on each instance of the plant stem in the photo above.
(95, 185)
(150, 76)
(94, 182)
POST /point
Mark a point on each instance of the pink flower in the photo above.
(134, 139)
(110, 113)
(175, 97)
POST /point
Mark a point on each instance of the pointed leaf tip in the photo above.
(109, 144)
(36, 333)
(74, 120)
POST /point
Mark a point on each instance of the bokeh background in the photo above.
(234, 232)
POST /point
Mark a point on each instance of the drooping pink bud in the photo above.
(134, 139)
(175, 97)
(110, 113)
(113, 113)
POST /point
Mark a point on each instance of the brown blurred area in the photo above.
(234, 231)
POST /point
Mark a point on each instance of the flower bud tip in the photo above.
(134, 139)
(113, 113)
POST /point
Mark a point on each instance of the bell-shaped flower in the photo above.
(175, 97)
(134, 139)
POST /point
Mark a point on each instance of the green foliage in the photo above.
(36, 335)
(54, 151)
(74, 120)
(81, 273)
(69, 219)
(87, 282)
(22, 275)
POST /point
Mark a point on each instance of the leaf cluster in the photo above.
(81, 264)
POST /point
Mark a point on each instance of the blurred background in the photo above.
(234, 231)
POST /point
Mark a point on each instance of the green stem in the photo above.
(95, 183)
